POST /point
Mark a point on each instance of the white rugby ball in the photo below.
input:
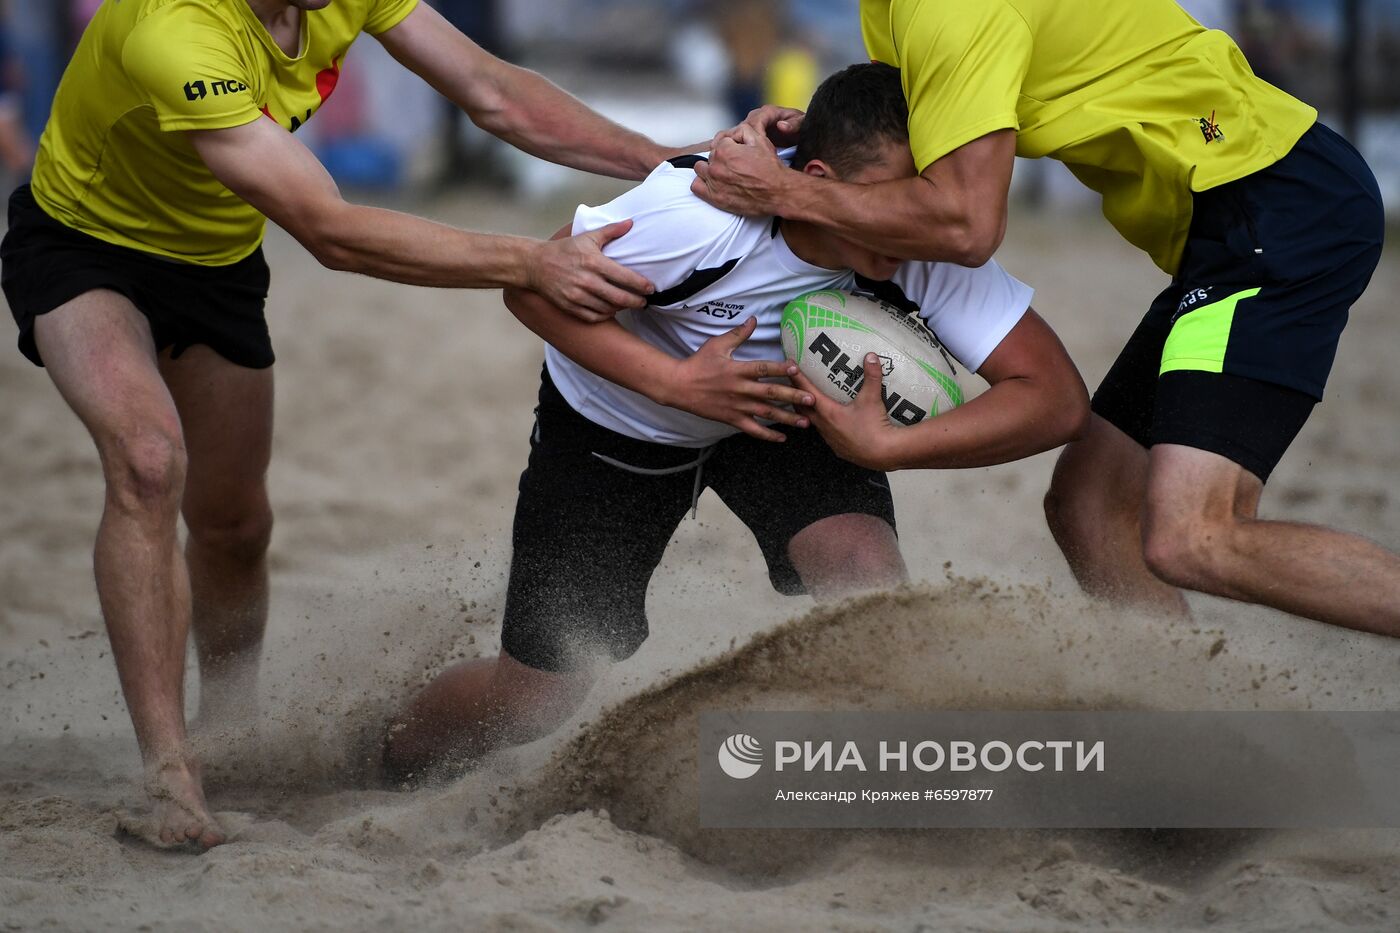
(828, 333)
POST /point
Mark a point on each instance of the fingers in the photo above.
(700, 187)
(614, 299)
(631, 287)
(609, 269)
(780, 415)
(735, 337)
(586, 306)
(593, 307)
(773, 392)
(605, 235)
(723, 135)
(870, 390)
(746, 135)
(754, 429)
(777, 123)
(822, 406)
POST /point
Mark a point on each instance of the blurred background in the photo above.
(681, 69)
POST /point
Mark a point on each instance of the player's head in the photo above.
(855, 118)
(310, 4)
(857, 130)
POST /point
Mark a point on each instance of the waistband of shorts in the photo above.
(25, 211)
(557, 415)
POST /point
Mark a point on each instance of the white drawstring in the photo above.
(698, 465)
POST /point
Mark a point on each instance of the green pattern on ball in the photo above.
(949, 386)
(803, 312)
(794, 321)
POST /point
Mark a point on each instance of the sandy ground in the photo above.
(402, 424)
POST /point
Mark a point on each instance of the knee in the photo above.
(1072, 509)
(845, 554)
(243, 534)
(1057, 508)
(1186, 554)
(145, 472)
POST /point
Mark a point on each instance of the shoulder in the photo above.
(674, 234)
(180, 29)
(949, 19)
(665, 205)
(176, 12)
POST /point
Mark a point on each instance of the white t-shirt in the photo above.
(714, 270)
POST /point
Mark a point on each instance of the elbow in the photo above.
(323, 237)
(333, 256)
(514, 298)
(491, 109)
(498, 121)
(976, 244)
(1073, 418)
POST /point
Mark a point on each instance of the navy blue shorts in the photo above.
(1234, 354)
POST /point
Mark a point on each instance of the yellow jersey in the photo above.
(113, 161)
(1141, 102)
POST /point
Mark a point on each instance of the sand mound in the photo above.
(972, 645)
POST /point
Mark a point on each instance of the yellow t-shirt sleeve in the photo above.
(386, 14)
(186, 62)
(962, 63)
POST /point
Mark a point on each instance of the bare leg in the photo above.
(99, 353)
(1202, 533)
(226, 411)
(846, 554)
(476, 707)
(1094, 509)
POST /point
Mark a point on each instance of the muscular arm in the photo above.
(1037, 401)
(608, 349)
(516, 104)
(265, 165)
(954, 211)
(709, 383)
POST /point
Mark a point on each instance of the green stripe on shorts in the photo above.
(1199, 338)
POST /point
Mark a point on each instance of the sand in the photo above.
(402, 424)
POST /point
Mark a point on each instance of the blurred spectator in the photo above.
(39, 33)
(16, 147)
(83, 11)
(751, 31)
(471, 156)
(1292, 44)
(1212, 14)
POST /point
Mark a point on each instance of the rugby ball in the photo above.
(828, 333)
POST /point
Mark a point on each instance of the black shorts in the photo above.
(45, 264)
(597, 509)
(1233, 356)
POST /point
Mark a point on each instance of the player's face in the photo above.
(894, 163)
(310, 4)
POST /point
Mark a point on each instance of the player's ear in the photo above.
(819, 169)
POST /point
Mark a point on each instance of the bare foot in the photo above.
(179, 816)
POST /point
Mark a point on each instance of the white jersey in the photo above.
(714, 270)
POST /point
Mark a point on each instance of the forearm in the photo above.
(911, 218)
(402, 248)
(535, 115)
(1012, 420)
(607, 349)
(515, 104)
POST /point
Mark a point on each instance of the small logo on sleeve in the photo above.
(198, 90)
(1210, 129)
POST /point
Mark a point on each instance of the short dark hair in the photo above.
(851, 114)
